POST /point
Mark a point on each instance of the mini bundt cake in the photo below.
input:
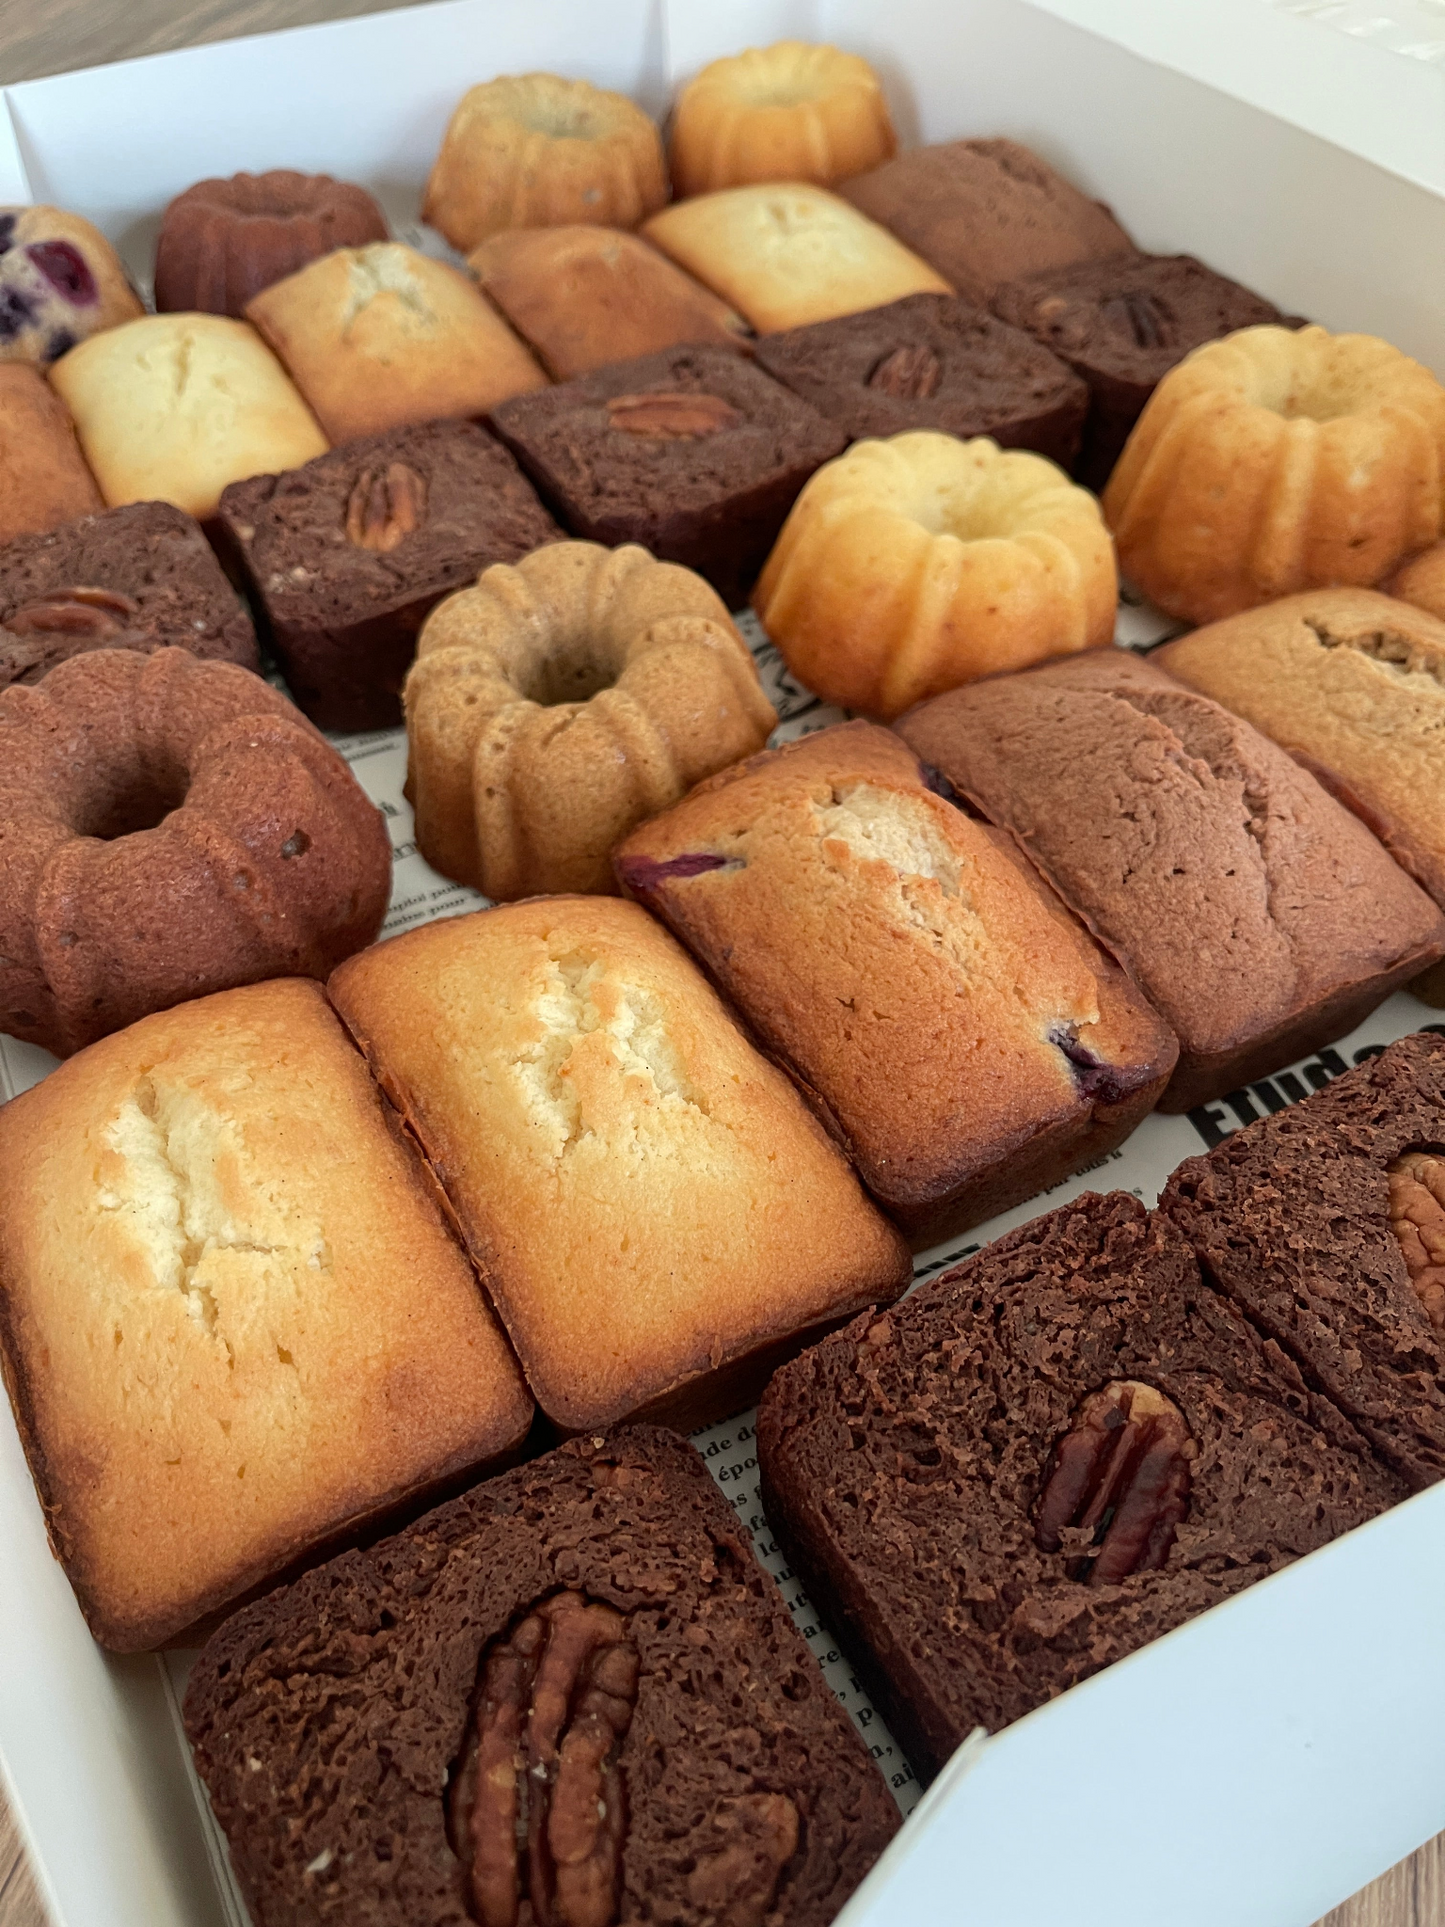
(170, 827)
(60, 280)
(795, 111)
(1276, 461)
(223, 241)
(533, 150)
(559, 702)
(912, 565)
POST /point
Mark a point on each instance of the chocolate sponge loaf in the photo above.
(1052, 1454)
(570, 1697)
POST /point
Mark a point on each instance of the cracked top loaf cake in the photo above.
(571, 1696)
(964, 1036)
(1258, 915)
(1052, 1454)
(233, 1321)
(655, 1211)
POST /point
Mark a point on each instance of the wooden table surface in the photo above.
(52, 36)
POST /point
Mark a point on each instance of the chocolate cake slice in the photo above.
(694, 453)
(571, 1697)
(932, 362)
(348, 555)
(1048, 1456)
(1325, 1224)
(140, 577)
(1122, 324)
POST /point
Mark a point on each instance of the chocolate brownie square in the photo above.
(1047, 1457)
(694, 453)
(1325, 1223)
(139, 577)
(932, 361)
(570, 1696)
(348, 555)
(1123, 324)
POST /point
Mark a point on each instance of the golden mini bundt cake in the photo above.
(559, 702)
(912, 565)
(795, 111)
(533, 150)
(1276, 461)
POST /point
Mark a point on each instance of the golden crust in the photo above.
(43, 477)
(1421, 580)
(380, 336)
(234, 1322)
(518, 789)
(795, 111)
(533, 150)
(1274, 461)
(909, 566)
(647, 1199)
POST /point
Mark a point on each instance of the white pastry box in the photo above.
(1264, 1762)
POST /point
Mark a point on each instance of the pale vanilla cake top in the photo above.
(645, 1196)
(234, 1319)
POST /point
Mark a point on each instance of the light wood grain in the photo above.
(52, 36)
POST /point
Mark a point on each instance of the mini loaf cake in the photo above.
(603, 1706)
(1259, 917)
(170, 827)
(235, 1324)
(60, 281)
(983, 212)
(557, 703)
(930, 361)
(582, 297)
(172, 407)
(1324, 1224)
(694, 453)
(967, 1041)
(534, 150)
(909, 566)
(788, 254)
(142, 577)
(1047, 1457)
(795, 111)
(655, 1212)
(381, 336)
(347, 556)
(222, 241)
(1122, 324)
(43, 477)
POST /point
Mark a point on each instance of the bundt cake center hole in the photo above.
(141, 803)
(1320, 400)
(573, 671)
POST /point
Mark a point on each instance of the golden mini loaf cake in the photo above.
(380, 336)
(655, 1212)
(789, 253)
(175, 407)
(1278, 460)
(582, 297)
(43, 477)
(560, 701)
(534, 150)
(967, 1039)
(795, 111)
(909, 566)
(234, 1322)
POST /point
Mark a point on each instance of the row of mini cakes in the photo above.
(1113, 1419)
(220, 1198)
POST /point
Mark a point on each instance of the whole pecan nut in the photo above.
(1144, 315)
(1120, 1472)
(1417, 1212)
(535, 1809)
(74, 612)
(671, 416)
(385, 507)
(912, 374)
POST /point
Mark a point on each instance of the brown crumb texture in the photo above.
(916, 1465)
(1294, 1218)
(330, 1722)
